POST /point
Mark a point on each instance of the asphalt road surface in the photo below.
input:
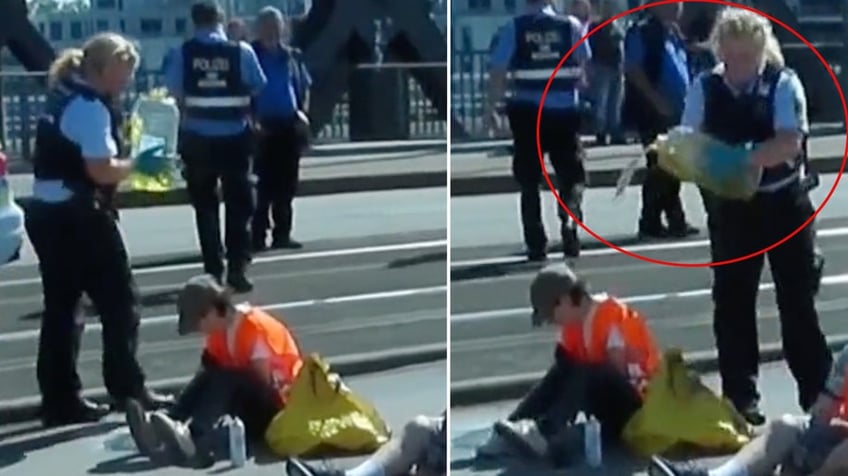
(362, 288)
(490, 315)
(470, 427)
(29, 450)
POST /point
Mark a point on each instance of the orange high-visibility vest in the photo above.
(642, 355)
(255, 325)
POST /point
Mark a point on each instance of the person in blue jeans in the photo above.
(606, 75)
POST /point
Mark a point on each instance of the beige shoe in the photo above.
(175, 436)
(525, 436)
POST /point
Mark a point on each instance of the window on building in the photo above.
(56, 31)
(123, 26)
(510, 5)
(105, 4)
(76, 30)
(102, 25)
(180, 25)
(480, 5)
(41, 27)
(151, 26)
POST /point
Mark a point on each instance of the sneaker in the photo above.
(570, 243)
(142, 431)
(684, 230)
(286, 244)
(493, 447)
(239, 283)
(652, 231)
(298, 467)
(175, 436)
(662, 467)
(752, 414)
(525, 436)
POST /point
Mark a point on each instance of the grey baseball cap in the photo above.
(196, 297)
(549, 285)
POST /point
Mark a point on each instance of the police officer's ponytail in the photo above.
(738, 23)
(68, 64)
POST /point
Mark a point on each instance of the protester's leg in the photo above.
(202, 185)
(735, 288)
(527, 171)
(561, 135)
(238, 197)
(650, 220)
(794, 275)
(611, 398)
(282, 208)
(761, 457)
(255, 403)
(264, 167)
(538, 401)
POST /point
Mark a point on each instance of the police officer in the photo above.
(657, 77)
(73, 227)
(751, 97)
(214, 79)
(281, 114)
(530, 46)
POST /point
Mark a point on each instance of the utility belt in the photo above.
(101, 199)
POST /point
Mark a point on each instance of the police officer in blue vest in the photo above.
(751, 97)
(214, 80)
(79, 161)
(283, 129)
(530, 46)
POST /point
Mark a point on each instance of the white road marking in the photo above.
(833, 280)
(270, 259)
(172, 318)
(500, 260)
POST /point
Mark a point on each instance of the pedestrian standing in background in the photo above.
(237, 30)
(657, 78)
(72, 223)
(751, 97)
(531, 46)
(214, 80)
(282, 123)
(606, 75)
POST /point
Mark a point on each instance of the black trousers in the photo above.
(743, 227)
(208, 162)
(559, 135)
(660, 190)
(570, 387)
(215, 392)
(80, 250)
(277, 166)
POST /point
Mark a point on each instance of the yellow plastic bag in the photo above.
(324, 418)
(681, 412)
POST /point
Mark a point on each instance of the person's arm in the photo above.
(790, 123)
(499, 62)
(88, 124)
(306, 84)
(693, 109)
(252, 74)
(836, 463)
(634, 69)
(583, 53)
(617, 350)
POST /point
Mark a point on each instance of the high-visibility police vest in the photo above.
(641, 354)
(58, 158)
(212, 81)
(234, 349)
(541, 41)
(748, 118)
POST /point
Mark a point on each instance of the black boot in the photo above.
(78, 410)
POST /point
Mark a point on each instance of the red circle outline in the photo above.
(672, 263)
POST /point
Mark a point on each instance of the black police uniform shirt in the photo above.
(78, 126)
(775, 101)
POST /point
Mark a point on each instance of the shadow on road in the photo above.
(128, 464)
(163, 298)
(425, 258)
(16, 451)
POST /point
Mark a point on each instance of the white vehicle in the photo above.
(11, 219)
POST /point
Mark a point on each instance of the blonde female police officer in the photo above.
(73, 227)
(751, 97)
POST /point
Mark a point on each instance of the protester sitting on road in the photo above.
(602, 365)
(812, 445)
(420, 449)
(249, 362)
